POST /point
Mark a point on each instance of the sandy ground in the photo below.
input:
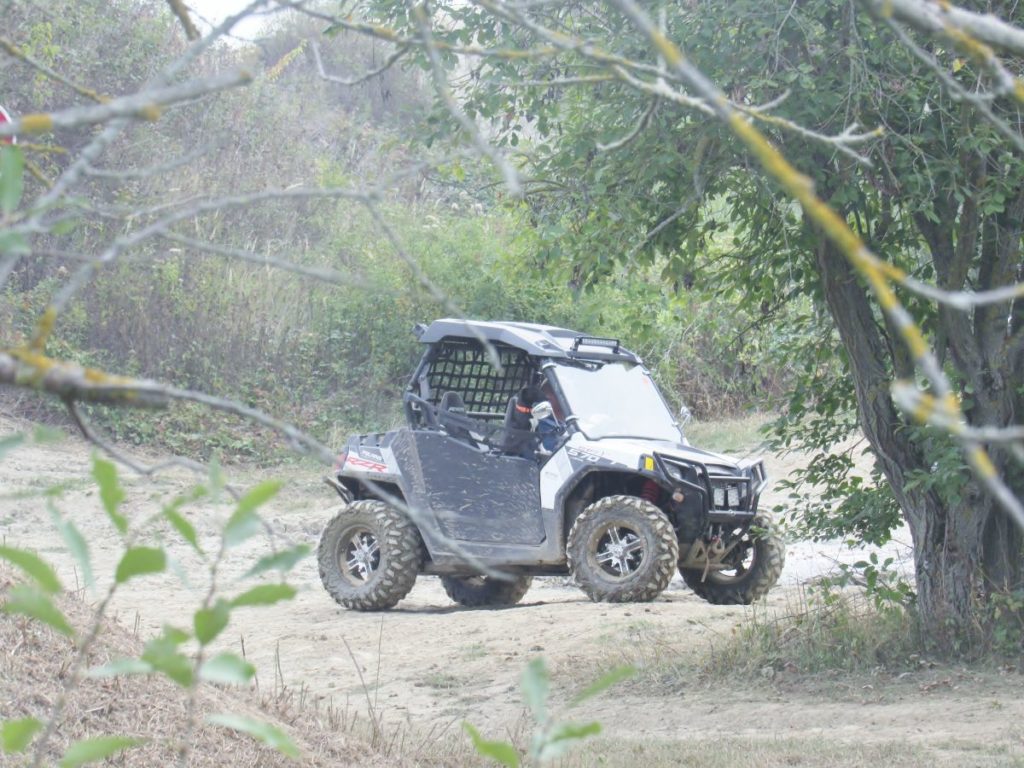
(429, 664)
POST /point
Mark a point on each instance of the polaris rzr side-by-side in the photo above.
(534, 450)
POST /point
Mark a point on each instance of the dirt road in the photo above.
(429, 664)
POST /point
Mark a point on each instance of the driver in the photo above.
(524, 434)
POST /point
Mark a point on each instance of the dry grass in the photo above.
(737, 435)
(34, 664)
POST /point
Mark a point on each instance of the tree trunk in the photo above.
(964, 547)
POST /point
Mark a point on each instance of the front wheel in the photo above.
(751, 568)
(480, 591)
(369, 556)
(622, 549)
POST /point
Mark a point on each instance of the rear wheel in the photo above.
(369, 556)
(622, 549)
(751, 568)
(479, 591)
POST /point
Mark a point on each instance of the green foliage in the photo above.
(244, 522)
(264, 594)
(140, 561)
(12, 166)
(33, 566)
(96, 749)
(1006, 623)
(162, 654)
(29, 601)
(824, 633)
(209, 622)
(227, 669)
(15, 735)
(552, 738)
(284, 560)
(74, 541)
(881, 581)
(111, 492)
(501, 752)
(264, 732)
(168, 653)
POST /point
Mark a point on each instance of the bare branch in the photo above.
(936, 18)
(388, 63)
(146, 470)
(9, 46)
(178, 9)
(145, 105)
(957, 91)
(72, 384)
(444, 92)
(962, 300)
(645, 118)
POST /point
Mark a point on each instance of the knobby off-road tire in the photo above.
(480, 591)
(622, 549)
(369, 556)
(758, 568)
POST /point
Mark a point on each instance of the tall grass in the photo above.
(832, 633)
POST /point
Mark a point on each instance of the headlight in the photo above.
(675, 471)
(728, 496)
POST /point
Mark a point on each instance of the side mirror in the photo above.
(542, 410)
(685, 416)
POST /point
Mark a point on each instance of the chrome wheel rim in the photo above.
(359, 555)
(619, 552)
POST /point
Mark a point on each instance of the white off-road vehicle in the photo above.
(596, 481)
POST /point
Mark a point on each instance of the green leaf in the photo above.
(184, 527)
(10, 442)
(259, 495)
(264, 732)
(564, 737)
(265, 594)
(215, 476)
(282, 561)
(43, 435)
(75, 543)
(12, 166)
(536, 685)
(161, 652)
(241, 525)
(604, 682)
(228, 669)
(119, 667)
(500, 751)
(92, 750)
(209, 622)
(15, 735)
(14, 243)
(138, 561)
(29, 601)
(34, 566)
(111, 492)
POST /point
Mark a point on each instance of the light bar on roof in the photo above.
(595, 341)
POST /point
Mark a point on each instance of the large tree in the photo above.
(909, 129)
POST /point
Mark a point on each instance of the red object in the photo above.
(651, 492)
(6, 118)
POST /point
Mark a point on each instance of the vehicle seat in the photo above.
(517, 436)
(452, 404)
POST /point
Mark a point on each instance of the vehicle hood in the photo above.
(627, 450)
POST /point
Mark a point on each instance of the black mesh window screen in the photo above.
(464, 367)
